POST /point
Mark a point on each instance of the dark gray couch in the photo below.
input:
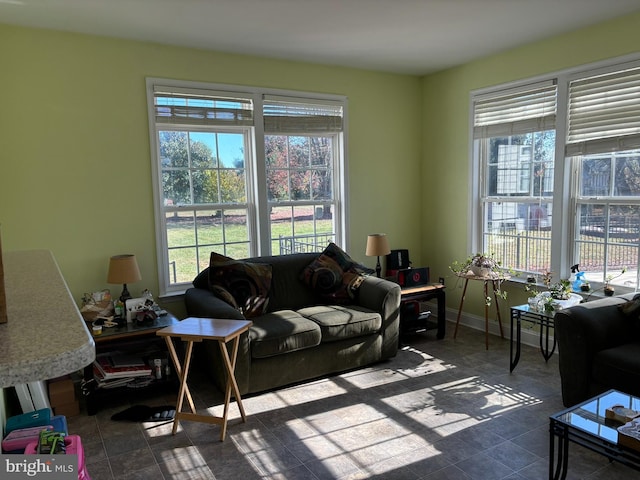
(300, 337)
(599, 348)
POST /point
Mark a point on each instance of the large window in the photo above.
(557, 169)
(515, 145)
(301, 148)
(608, 220)
(242, 172)
(603, 141)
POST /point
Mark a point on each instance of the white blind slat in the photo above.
(603, 112)
(517, 107)
(290, 116)
(189, 107)
(603, 145)
(515, 128)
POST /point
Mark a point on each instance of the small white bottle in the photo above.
(157, 368)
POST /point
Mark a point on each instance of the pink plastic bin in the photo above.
(17, 440)
(73, 445)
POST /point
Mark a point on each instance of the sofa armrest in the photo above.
(383, 296)
(582, 331)
(202, 303)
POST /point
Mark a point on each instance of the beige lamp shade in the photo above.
(123, 269)
(377, 245)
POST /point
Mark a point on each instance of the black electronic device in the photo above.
(413, 277)
(397, 260)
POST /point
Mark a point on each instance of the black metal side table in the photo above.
(423, 293)
(544, 319)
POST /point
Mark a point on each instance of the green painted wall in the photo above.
(75, 175)
(445, 101)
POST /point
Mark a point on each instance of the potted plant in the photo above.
(561, 290)
(558, 295)
(609, 289)
(482, 266)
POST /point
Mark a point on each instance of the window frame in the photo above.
(203, 207)
(257, 201)
(566, 180)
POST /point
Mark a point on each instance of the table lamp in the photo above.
(377, 244)
(123, 269)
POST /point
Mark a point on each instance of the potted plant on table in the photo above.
(558, 295)
(482, 266)
(561, 290)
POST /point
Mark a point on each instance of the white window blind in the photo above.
(522, 111)
(289, 115)
(604, 113)
(201, 107)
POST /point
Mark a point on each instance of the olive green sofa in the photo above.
(301, 335)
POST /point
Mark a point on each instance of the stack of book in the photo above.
(116, 369)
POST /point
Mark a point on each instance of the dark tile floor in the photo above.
(442, 409)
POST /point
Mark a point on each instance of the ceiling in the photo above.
(401, 36)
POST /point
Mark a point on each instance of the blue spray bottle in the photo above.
(577, 277)
(577, 285)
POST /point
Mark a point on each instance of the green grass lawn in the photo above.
(184, 256)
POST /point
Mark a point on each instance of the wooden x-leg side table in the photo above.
(192, 330)
(495, 283)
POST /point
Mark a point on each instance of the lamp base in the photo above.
(125, 295)
(378, 268)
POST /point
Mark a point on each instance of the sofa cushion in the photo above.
(339, 322)
(243, 285)
(280, 332)
(618, 367)
(334, 275)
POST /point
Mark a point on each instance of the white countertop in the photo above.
(45, 336)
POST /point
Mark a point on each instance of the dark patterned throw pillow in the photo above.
(243, 285)
(335, 275)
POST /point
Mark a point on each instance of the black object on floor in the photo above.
(143, 413)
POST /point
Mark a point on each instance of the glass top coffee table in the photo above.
(586, 424)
